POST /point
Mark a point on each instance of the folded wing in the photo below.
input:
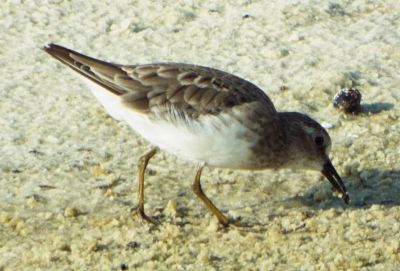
(162, 89)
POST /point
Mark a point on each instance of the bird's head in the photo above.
(309, 147)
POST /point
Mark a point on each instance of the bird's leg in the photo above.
(143, 161)
(199, 192)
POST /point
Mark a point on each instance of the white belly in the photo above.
(216, 141)
(210, 140)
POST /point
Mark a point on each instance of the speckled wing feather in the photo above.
(187, 90)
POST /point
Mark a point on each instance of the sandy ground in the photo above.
(67, 168)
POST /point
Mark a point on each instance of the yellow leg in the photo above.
(143, 161)
(199, 192)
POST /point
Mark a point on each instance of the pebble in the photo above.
(348, 100)
(71, 212)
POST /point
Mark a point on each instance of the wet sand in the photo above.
(67, 169)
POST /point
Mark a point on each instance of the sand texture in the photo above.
(67, 169)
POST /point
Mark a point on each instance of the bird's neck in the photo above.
(291, 133)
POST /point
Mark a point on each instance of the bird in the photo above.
(203, 115)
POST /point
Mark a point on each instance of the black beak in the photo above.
(330, 173)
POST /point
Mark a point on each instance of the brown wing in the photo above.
(189, 90)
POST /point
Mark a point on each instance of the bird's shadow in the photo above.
(370, 187)
(374, 108)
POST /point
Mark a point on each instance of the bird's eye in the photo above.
(319, 141)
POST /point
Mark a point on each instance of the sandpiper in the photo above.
(205, 116)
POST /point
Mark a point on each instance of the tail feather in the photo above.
(98, 71)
